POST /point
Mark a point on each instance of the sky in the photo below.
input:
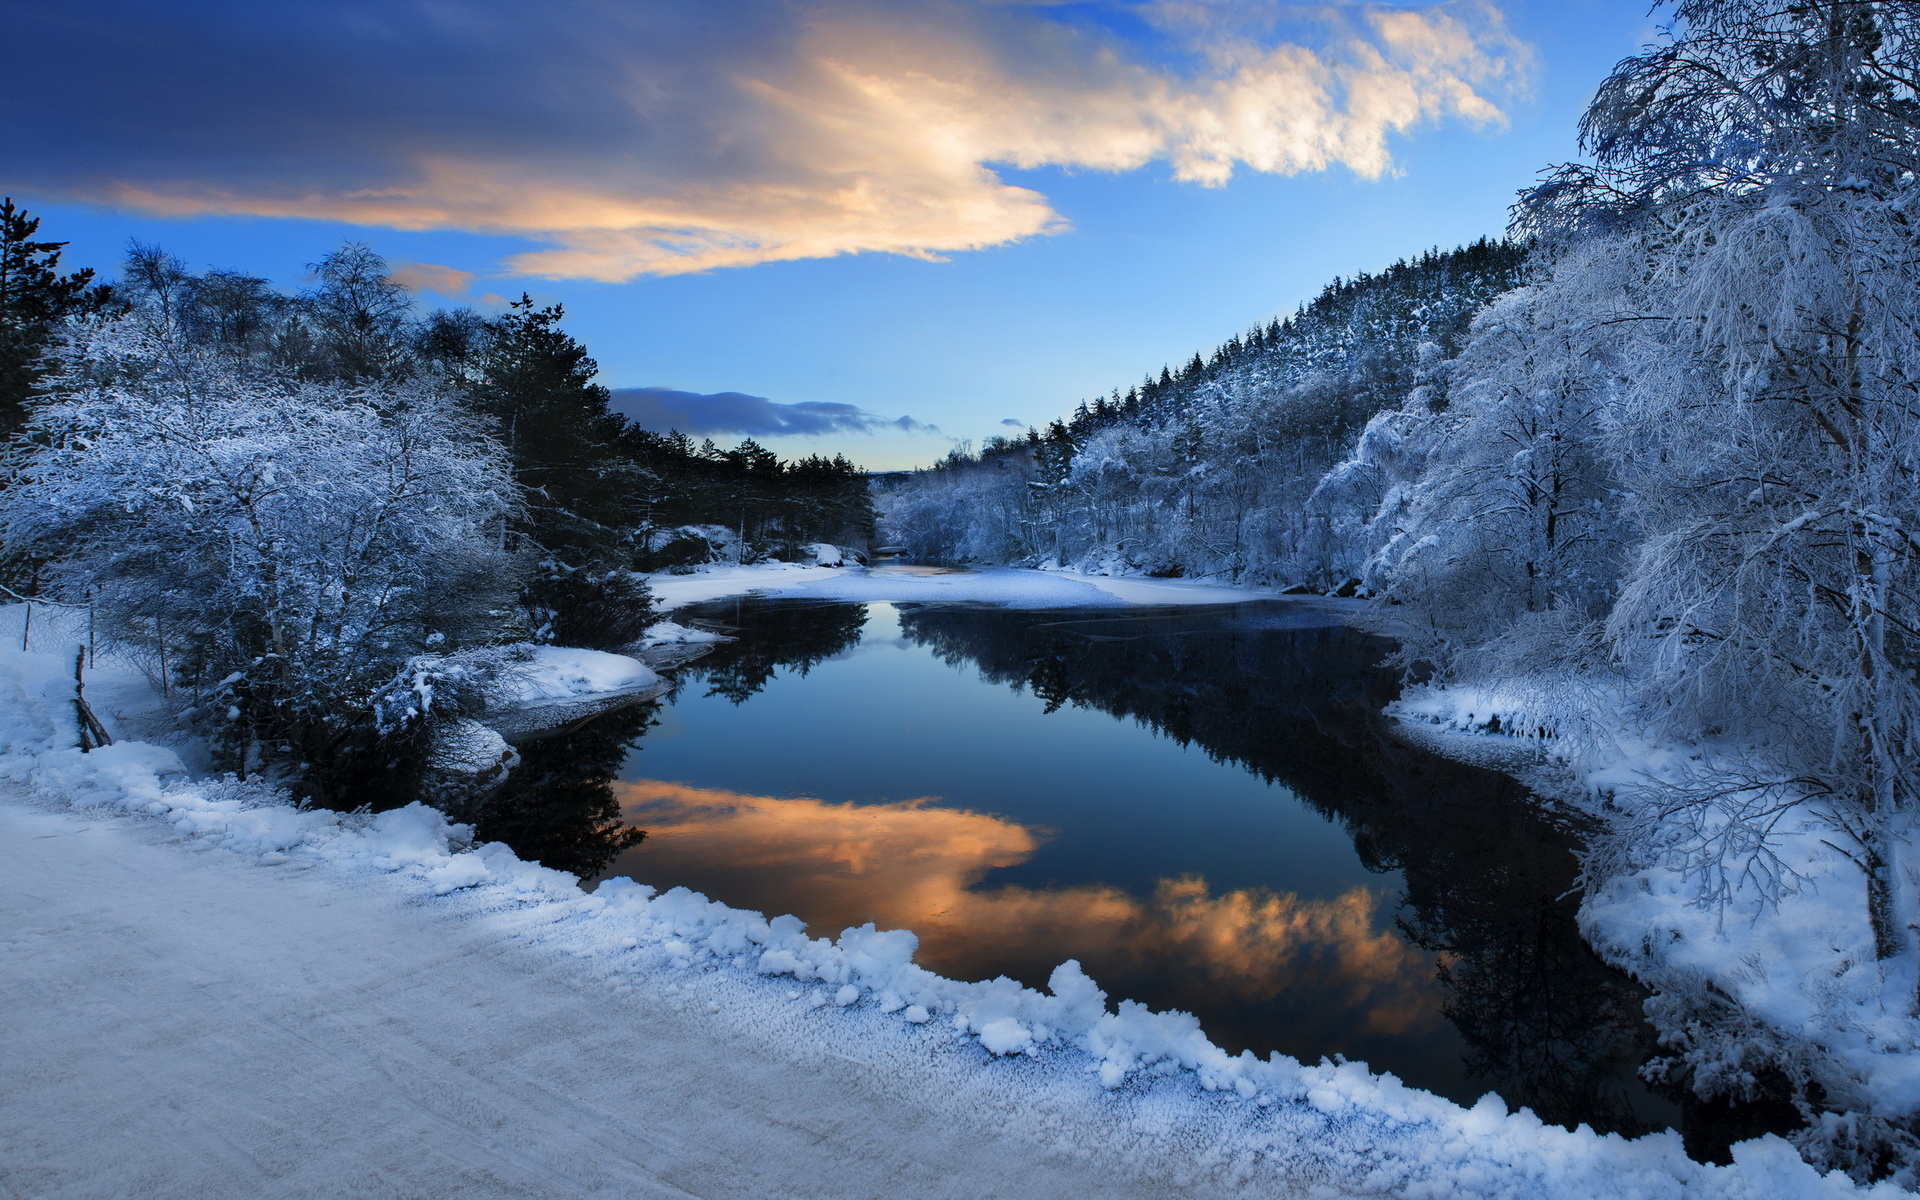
(870, 227)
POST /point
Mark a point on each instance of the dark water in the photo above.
(1202, 805)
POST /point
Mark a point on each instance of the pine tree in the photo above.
(538, 382)
(581, 484)
(34, 296)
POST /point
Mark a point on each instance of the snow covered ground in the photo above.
(207, 993)
(1013, 586)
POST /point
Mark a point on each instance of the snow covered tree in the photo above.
(276, 549)
(1760, 168)
(1515, 518)
(1211, 472)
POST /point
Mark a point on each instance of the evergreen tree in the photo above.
(537, 381)
(569, 457)
(34, 296)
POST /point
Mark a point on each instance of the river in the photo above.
(1203, 805)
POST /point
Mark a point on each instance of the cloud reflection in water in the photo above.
(912, 864)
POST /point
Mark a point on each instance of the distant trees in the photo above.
(1215, 470)
(758, 504)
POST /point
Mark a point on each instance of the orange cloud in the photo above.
(855, 126)
(913, 865)
(432, 277)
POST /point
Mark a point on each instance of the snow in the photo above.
(568, 673)
(1792, 949)
(671, 633)
(326, 1003)
(1011, 586)
(722, 580)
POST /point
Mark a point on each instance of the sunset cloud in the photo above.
(662, 138)
(913, 864)
(432, 277)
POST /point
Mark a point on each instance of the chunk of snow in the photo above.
(1005, 1036)
(567, 672)
(670, 633)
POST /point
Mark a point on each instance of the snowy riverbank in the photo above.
(1017, 587)
(1747, 921)
(265, 1001)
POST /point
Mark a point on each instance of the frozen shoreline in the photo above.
(915, 1075)
(1020, 587)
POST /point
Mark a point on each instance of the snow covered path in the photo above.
(180, 1024)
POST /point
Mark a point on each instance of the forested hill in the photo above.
(1209, 469)
(1358, 341)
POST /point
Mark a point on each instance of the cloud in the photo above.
(697, 414)
(1011, 421)
(432, 277)
(914, 865)
(684, 135)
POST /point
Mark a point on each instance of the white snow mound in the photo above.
(567, 673)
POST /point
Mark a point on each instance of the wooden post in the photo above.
(93, 734)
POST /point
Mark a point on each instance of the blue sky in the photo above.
(1073, 194)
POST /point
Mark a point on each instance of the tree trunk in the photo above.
(1887, 939)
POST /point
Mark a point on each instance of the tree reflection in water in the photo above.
(558, 806)
(795, 635)
(1488, 876)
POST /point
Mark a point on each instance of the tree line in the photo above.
(1216, 469)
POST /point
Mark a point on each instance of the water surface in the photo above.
(1201, 805)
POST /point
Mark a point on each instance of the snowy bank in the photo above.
(569, 673)
(1758, 950)
(559, 685)
(1016, 587)
(672, 633)
(1063, 1072)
